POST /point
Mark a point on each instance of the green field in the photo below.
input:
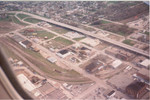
(104, 21)
(63, 41)
(59, 30)
(15, 20)
(8, 18)
(78, 39)
(129, 42)
(147, 33)
(45, 33)
(86, 28)
(33, 20)
(40, 33)
(22, 16)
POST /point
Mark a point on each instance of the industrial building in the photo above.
(145, 63)
(142, 78)
(136, 90)
(93, 67)
(52, 59)
(26, 44)
(63, 53)
(120, 53)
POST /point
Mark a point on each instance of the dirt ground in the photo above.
(7, 27)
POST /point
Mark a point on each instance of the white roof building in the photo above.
(52, 59)
(25, 82)
(145, 63)
(116, 63)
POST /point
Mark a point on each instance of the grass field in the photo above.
(63, 41)
(78, 39)
(22, 16)
(129, 42)
(33, 20)
(104, 21)
(59, 30)
(15, 20)
(86, 28)
(42, 34)
(147, 33)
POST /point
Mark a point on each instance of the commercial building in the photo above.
(136, 90)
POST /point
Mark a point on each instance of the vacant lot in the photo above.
(63, 41)
(6, 26)
(115, 28)
(33, 20)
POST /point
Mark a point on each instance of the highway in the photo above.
(87, 33)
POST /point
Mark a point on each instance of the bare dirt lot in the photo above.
(7, 27)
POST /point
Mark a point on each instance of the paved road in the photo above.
(136, 50)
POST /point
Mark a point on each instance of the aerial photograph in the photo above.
(74, 50)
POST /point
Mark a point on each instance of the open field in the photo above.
(15, 20)
(147, 33)
(78, 39)
(53, 44)
(86, 28)
(115, 37)
(58, 29)
(39, 33)
(115, 28)
(100, 22)
(22, 16)
(11, 18)
(129, 42)
(33, 20)
(6, 26)
(63, 41)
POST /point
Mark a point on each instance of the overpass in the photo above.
(87, 33)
